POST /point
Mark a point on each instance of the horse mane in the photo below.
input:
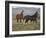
(35, 14)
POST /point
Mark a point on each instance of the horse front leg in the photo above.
(20, 20)
(36, 21)
(33, 21)
(17, 20)
(26, 21)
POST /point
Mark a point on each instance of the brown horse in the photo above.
(19, 16)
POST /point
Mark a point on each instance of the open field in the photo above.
(22, 26)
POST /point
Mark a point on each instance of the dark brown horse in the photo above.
(31, 18)
(19, 16)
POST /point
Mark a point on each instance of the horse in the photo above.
(19, 16)
(27, 18)
(31, 18)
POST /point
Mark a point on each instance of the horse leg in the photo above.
(33, 21)
(23, 19)
(17, 20)
(26, 21)
(20, 20)
(36, 21)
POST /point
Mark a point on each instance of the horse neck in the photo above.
(21, 14)
(35, 14)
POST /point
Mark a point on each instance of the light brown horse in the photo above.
(19, 16)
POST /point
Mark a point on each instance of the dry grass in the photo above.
(22, 26)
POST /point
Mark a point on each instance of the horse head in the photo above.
(22, 12)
